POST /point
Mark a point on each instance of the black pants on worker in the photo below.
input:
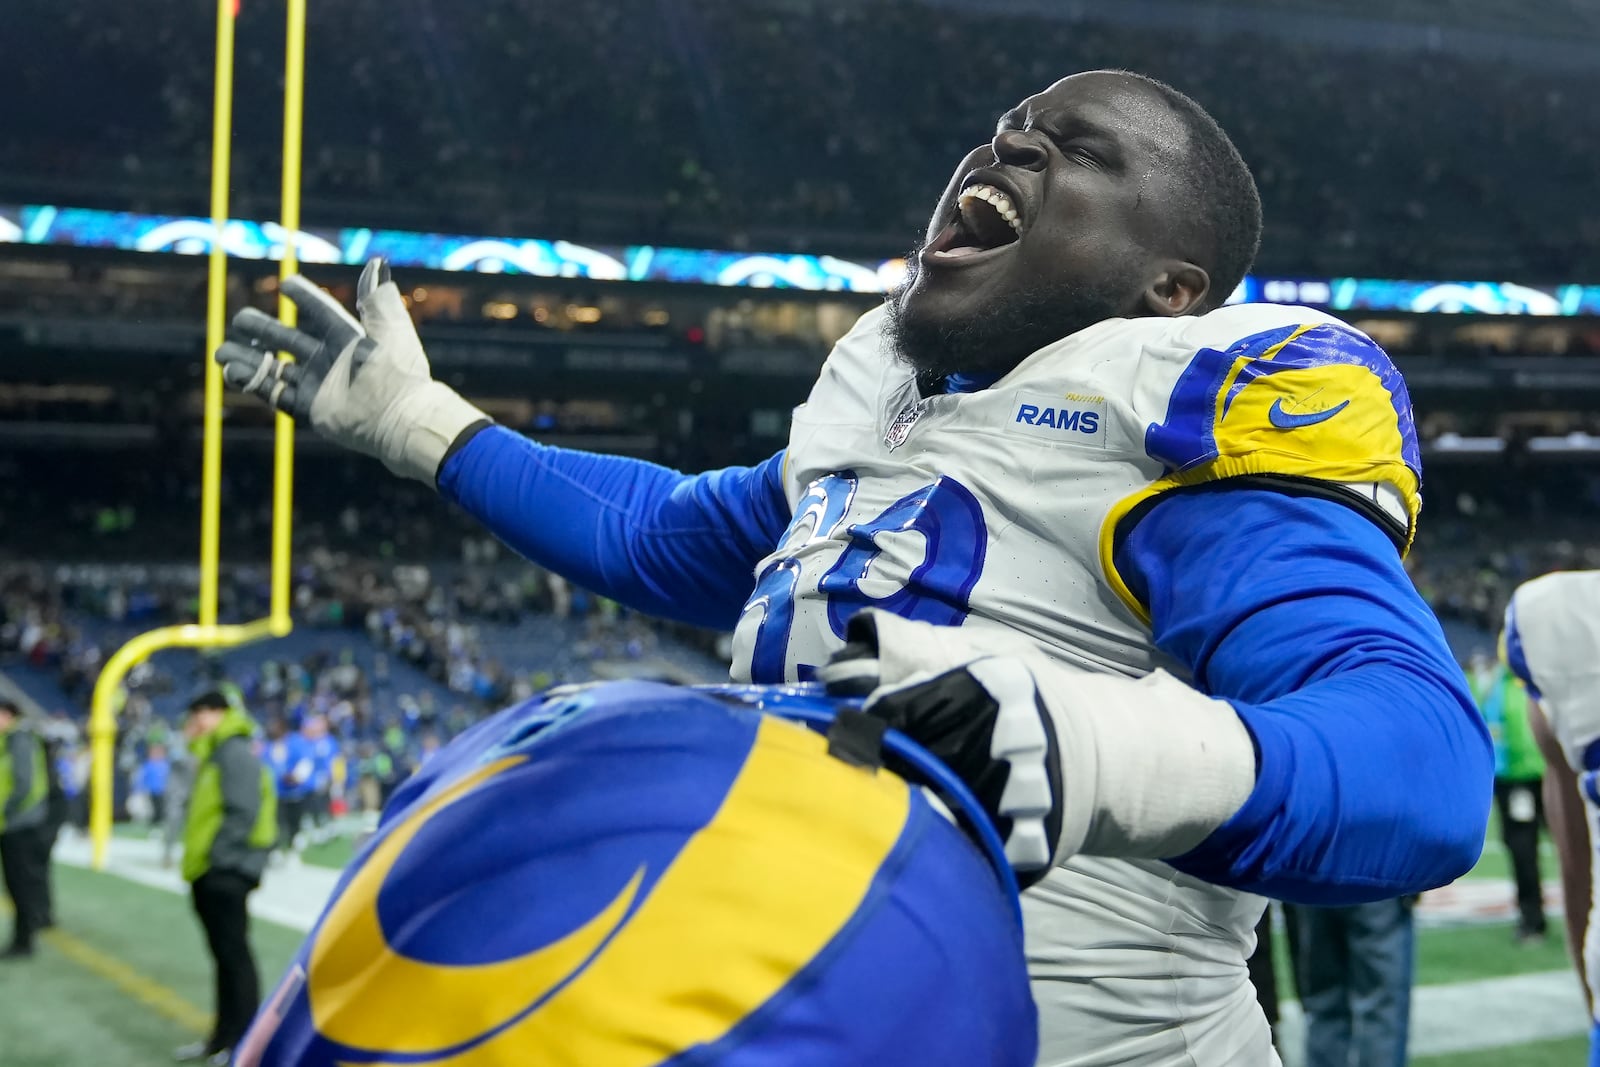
(1521, 808)
(25, 862)
(219, 901)
(291, 818)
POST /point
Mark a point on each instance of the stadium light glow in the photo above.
(71, 227)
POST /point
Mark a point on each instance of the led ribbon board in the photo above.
(43, 224)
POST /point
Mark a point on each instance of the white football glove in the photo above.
(365, 385)
(984, 720)
(1065, 761)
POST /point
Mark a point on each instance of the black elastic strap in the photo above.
(1287, 484)
(857, 738)
(473, 429)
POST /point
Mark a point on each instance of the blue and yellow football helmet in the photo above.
(639, 875)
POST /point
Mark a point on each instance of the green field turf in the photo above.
(1460, 954)
(61, 1009)
(1568, 1052)
(334, 852)
(126, 979)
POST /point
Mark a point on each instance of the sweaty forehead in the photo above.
(1131, 110)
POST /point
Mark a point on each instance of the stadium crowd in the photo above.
(399, 657)
(1471, 579)
(760, 122)
(390, 661)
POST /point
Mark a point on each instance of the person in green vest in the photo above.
(24, 859)
(1518, 792)
(229, 830)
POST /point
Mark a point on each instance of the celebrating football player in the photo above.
(1052, 472)
(1551, 642)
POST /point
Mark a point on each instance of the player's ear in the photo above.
(1179, 288)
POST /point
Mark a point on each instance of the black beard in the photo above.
(1009, 331)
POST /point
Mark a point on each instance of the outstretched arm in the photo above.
(674, 545)
(656, 540)
(1374, 771)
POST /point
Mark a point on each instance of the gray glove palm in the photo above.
(365, 384)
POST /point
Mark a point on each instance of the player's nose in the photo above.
(1019, 148)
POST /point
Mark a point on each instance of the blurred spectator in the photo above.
(24, 809)
(75, 784)
(1518, 787)
(227, 837)
(326, 769)
(374, 767)
(1353, 971)
(152, 779)
(180, 783)
(288, 757)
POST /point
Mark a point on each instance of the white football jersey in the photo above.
(1552, 642)
(1002, 508)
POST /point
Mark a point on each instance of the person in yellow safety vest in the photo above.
(229, 830)
(24, 791)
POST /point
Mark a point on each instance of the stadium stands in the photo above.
(765, 124)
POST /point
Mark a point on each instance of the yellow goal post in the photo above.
(206, 633)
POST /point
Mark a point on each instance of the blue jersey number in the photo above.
(945, 514)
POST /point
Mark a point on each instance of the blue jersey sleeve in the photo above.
(1374, 770)
(679, 546)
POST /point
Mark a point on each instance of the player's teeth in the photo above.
(996, 199)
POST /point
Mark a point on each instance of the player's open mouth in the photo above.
(985, 223)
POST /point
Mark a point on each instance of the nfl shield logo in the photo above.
(900, 428)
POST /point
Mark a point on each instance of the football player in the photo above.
(1551, 641)
(634, 875)
(1054, 437)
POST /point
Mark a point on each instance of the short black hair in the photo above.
(7, 704)
(1221, 212)
(210, 700)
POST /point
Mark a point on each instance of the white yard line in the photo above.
(1492, 1012)
(291, 895)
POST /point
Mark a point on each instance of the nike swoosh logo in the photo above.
(1285, 421)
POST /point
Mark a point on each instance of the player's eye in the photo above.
(1076, 149)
